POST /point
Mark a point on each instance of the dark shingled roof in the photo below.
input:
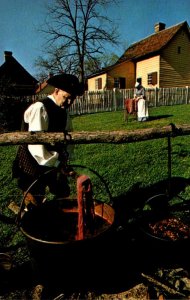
(13, 73)
(152, 44)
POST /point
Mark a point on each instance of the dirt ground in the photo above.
(141, 272)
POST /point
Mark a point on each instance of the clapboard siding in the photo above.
(174, 66)
(91, 83)
(125, 70)
(145, 67)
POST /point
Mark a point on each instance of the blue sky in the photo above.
(19, 20)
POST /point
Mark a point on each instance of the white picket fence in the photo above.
(113, 100)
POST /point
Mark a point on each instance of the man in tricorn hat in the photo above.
(49, 115)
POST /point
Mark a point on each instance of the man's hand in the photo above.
(68, 171)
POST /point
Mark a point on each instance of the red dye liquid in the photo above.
(60, 226)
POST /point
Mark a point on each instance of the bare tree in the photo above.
(77, 32)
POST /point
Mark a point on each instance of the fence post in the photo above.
(114, 99)
(187, 94)
(156, 97)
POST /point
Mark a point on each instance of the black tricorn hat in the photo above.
(68, 83)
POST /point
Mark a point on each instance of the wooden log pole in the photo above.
(162, 286)
(88, 137)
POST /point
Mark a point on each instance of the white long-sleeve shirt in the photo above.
(37, 119)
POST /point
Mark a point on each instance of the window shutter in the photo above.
(99, 83)
(154, 78)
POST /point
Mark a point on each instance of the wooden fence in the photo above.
(112, 100)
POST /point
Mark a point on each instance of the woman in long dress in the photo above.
(142, 105)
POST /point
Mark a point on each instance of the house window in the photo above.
(152, 78)
(122, 83)
(116, 82)
(179, 50)
(98, 83)
(119, 83)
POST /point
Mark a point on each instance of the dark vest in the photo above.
(24, 162)
(57, 116)
(57, 121)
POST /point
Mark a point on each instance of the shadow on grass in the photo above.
(126, 204)
(132, 118)
(153, 118)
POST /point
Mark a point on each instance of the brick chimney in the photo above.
(159, 26)
(7, 55)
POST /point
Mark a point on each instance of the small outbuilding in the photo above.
(14, 79)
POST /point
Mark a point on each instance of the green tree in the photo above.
(102, 61)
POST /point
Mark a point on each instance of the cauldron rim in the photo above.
(151, 215)
(98, 204)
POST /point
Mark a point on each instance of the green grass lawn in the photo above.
(122, 166)
(125, 167)
(145, 163)
(160, 116)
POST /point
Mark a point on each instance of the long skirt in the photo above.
(142, 112)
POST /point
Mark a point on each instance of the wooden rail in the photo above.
(87, 137)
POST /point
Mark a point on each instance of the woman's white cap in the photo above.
(137, 84)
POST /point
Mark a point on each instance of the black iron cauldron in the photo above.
(165, 230)
(57, 257)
